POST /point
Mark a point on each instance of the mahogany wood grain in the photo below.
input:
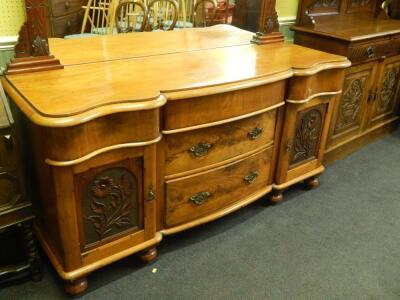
(220, 192)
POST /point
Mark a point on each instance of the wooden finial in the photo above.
(269, 31)
(32, 50)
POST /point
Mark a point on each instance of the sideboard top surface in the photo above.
(124, 79)
(352, 28)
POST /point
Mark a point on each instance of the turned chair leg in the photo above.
(75, 287)
(33, 254)
(312, 182)
(276, 196)
(148, 255)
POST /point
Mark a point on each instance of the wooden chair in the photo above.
(97, 18)
(131, 16)
(162, 14)
(204, 13)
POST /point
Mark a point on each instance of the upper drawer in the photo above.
(213, 108)
(68, 24)
(197, 196)
(203, 147)
(370, 51)
(63, 7)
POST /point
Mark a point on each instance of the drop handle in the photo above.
(201, 149)
(200, 198)
(255, 133)
(67, 4)
(371, 52)
(251, 177)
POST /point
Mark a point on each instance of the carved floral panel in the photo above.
(386, 98)
(349, 110)
(324, 6)
(307, 137)
(109, 204)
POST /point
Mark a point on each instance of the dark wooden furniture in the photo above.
(64, 17)
(361, 31)
(15, 209)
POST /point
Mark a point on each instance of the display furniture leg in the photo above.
(276, 196)
(33, 253)
(75, 287)
(148, 255)
(312, 182)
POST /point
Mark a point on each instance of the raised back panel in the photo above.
(355, 6)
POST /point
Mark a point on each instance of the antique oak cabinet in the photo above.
(360, 30)
(136, 137)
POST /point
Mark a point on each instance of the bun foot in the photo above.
(276, 197)
(312, 182)
(148, 255)
(76, 287)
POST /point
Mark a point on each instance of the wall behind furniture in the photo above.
(12, 15)
(287, 11)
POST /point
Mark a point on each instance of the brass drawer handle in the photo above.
(251, 177)
(68, 26)
(67, 5)
(200, 198)
(371, 52)
(201, 149)
(255, 133)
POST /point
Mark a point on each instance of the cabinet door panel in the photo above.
(351, 107)
(386, 101)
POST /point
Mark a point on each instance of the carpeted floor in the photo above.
(340, 241)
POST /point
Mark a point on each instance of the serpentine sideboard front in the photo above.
(138, 137)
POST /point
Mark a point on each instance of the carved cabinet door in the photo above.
(386, 100)
(303, 138)
(115, 202)
(351, 107)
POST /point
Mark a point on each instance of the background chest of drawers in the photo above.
(361, 31)
(64, 16)
(15, 209)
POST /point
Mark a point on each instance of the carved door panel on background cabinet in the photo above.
(386, 101)
(111, 202)
(350, 112)
(304, 138)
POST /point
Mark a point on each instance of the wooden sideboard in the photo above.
(361, 31)
(139, 142)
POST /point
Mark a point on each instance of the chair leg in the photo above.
(32, 250)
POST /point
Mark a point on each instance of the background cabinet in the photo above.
(359, 30)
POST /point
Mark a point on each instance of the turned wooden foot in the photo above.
(276, 197)
(32, 250)
(312, 182)
(75, 287)
(148, 255)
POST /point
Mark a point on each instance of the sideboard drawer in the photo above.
(192, 197)
(369, 51)
(63, 7)
(195, 149)
(67, 24)
(214, 108)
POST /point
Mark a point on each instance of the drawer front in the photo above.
(200, 148)
(68, 24)
(63, 7)
(197, 196)
(208, 109)
(370, 51)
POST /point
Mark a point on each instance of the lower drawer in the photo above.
(192, 197)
